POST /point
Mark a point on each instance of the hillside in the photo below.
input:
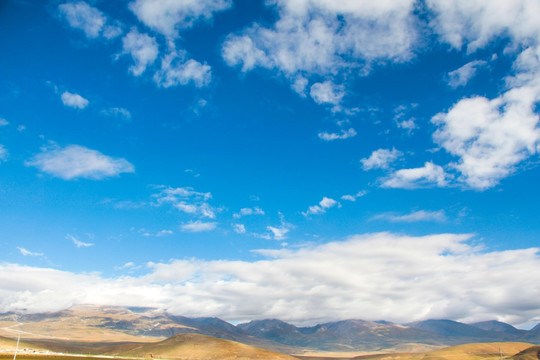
(91, 329)
(195, 346)
(531, 353)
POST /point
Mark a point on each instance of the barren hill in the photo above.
(195, 346)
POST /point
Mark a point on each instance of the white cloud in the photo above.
(187, 200)
(3, 122)
(326, 36)
(381, 159)
(168, 17)
(25, 252)
(77, 242)
(176, 69)
(117, 112)
(90, 20)
(279, 233)
(426, 176)
(343, 134)
(239, 228)
(327, 93)
(198, 226)
(354, 197)
(461, 76)
(415, 216)
(75, 161)
(248, 211)
(474, 23)
(403, 119)
(142, 48)
(325, 203)
(490, 137)
(3, 153)
(74, 100)
(375, 276)
(160, 233)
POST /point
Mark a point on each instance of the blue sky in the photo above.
(252, 159)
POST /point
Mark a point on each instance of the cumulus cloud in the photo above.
(75, 161)
(461, 76)
(381, 159)
(324, 204)
(327, 93)
(342, 135)
(3, 122)
(375, 276)
(198, 226)
(74, 100)
(324, 36)
(425, 176)
(490, 137)
(142, 48)
(415, 216)
(186, 200)
(90, 20)
(77, 242)
(177, 68)
(168, 17)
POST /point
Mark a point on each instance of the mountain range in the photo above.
(122, 325)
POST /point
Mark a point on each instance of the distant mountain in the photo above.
(449, 328)
(497, 326)
(110, 325)
(343, 335)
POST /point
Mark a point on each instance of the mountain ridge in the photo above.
(108, 324)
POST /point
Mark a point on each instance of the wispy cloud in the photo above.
(90, 20)
(198, 226)
(75, 161)
(342, 135)
(187, 200)
(461, 76)
(354, 197)
(415, 216)
(3, 153)
(426, 176)
(381, 159)
(324, 204)
(239, 228)
(77, 242)
(26, 252)
(117, 112)
(248, 211)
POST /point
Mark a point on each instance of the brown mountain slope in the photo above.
(476, 351)
(8, 345)
(202, 347)
(532, 353)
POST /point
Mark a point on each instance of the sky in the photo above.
(307, 160)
